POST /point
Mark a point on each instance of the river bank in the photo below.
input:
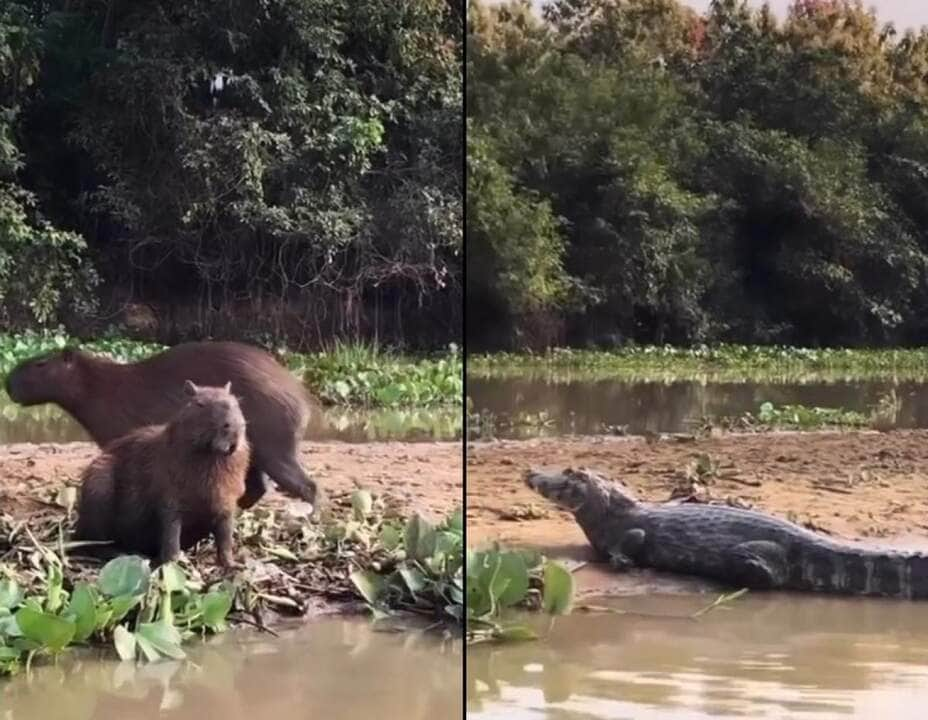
(404, 478)
(860, 485)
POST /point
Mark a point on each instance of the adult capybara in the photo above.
(163, 488)
(110, 399)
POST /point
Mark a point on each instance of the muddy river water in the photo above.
(590, 407)
(765, 656)
(331, 668)
(48, 424)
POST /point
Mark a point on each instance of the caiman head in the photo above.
(574, 490)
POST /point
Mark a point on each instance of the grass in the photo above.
(723, 362)
(353, 375)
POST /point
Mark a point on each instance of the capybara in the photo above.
(109, 399)
(163, 488)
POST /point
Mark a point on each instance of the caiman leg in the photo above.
(759, 564)
(623, 557)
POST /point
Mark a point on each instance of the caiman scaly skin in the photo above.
(741, 548)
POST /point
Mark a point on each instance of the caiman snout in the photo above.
(568, 489)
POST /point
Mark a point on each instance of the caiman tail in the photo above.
(844, 568)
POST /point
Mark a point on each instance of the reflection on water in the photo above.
(764, 657)
(327, 669)
(586, 406)
(47, 423)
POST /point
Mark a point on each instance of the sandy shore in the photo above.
(422, 477)
(865, 486)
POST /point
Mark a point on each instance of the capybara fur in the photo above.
(163, 488)
(110, 399)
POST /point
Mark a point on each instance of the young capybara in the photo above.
(109, 399)
(163, 488)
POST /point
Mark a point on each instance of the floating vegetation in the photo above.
(143, 615)
(500, 580)
(722, 362)
(485, 425)
(799, 417)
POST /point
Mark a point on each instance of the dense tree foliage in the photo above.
(285, 168)
(649, 174)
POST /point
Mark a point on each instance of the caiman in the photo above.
(740, 548)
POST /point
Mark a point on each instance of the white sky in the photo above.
(904, 13)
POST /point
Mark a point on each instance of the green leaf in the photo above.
(216, 606)
(390, 537)
(83, 608)
(148, 650)
(369, 584)
(173, 577)
(419, 538)
(11, 595)
(54, 588)
(124, 641)
(558, 593)
(164, 638)
(120, 606)
(362, 503)
(413, 577)
(512, 568)
(389, 395)
(342, 389)
(456, 522)
(125, 575)
(50, 631)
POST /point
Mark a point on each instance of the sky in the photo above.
(903, 13)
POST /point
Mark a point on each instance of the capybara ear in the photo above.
(67, 355)
(189, 388)
(228, 386)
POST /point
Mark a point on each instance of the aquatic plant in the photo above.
(794, 417)
(416, 566)
(423, 568)
(367, 375)
(143, 614)
(500, 580)
(720, 362)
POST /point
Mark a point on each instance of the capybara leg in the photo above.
(95, 504)
(289, 474)
(255, 487)
(170, 538)
(222, 532)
